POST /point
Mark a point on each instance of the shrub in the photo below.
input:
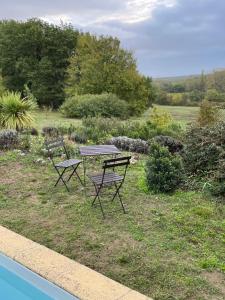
(208, 114)
(150, 130)
(66, 129)
(160, 118)
(205, 147)
(34, 131)
(16, 113)
(8, 139)
(128, 144)
(164, 171)
(105, 105)
(31, 131)
(24, 141)
(217, 188)
(50, 131)
(96, 130)
(79, 137)
(145, 130)
(37, 146)
(173, 145)
(204, 155)
(132, 129)
(216, 184)
(99, 130)
(214, 96)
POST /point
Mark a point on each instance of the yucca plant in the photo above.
(16, 113)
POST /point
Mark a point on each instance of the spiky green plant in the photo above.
(16, 113)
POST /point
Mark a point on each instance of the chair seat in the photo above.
(68, 163)
(108, 178)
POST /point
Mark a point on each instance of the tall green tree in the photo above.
(99, 65)
(37, 54)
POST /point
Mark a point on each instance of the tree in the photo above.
(215, 96)
(208, 114)
(37, 54)
(2, 88)
(219, 81)
(100, 65)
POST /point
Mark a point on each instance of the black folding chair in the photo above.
(109, 179)
(55, 148)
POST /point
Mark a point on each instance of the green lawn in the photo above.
(52, 118)
(167, 246)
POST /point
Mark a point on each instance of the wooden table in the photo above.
(96, 150)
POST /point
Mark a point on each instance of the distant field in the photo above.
(181, 114)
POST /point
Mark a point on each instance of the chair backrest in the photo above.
(51, 145)
(116, 162)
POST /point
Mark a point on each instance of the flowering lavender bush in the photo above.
(8, 139)
(128, 144)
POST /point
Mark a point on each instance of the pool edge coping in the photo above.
(68, 274)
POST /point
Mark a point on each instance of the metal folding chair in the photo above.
(109, 179)
(55, 148)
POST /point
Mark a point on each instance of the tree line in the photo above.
(192, 90)
(57, 62)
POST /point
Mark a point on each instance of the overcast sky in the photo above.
(168, 37)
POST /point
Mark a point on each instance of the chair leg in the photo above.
(75, 172)
(114, 196)
(97, 190)
(103, 214)
(117, 190)
(118, 193)
(121, 202)
(71, 175)
(96, 195)
(61, 178)
(79, 178)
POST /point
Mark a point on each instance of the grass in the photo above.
(180, 114)
(167, 246)
(45, 118)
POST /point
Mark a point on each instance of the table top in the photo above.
(98, 150)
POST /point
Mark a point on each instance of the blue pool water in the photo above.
(19, 283)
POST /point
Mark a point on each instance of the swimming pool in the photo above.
(19, 283)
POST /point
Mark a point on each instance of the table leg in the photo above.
(84, 166)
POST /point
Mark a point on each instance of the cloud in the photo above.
(169, 37)
(184, 38)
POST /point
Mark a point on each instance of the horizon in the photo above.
(169, 38)
(191, 75)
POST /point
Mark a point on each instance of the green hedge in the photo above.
(105, 105)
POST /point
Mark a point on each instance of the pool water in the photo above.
(19, 283)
